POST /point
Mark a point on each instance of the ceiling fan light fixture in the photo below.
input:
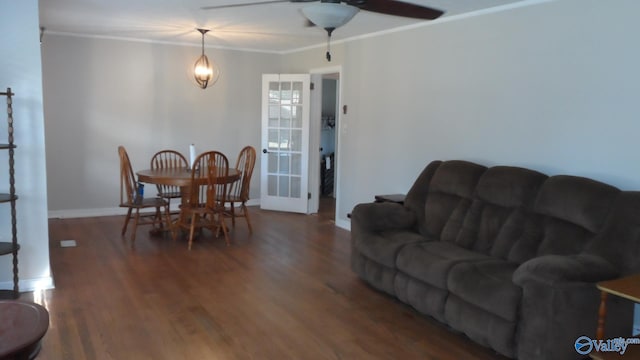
(329, 15)
(205, 72)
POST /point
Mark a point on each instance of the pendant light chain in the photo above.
(329, 31)
(203, 32)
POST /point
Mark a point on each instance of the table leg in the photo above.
(185, 191)
(602, 314)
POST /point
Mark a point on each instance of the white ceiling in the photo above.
(271, 28)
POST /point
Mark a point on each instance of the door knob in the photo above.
(264, 151)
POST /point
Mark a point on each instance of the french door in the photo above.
(285, 142)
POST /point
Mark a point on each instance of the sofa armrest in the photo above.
(382, 216)
(560, 303)
(553, 269)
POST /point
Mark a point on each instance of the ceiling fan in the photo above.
(331, 14)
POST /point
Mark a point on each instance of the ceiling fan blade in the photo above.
(242, 4)
(251, 4)
(398, 8)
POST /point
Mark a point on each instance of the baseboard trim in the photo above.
(253, 202)
(345, 224)
(35, 284)
(80, 213)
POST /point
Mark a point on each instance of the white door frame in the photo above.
(314, 139)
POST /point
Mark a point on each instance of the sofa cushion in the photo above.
(417, 195)
(383, 247)
(546, 235)
(450, 193)
(509, 186)
(487, 285)
(498, 213)
(425, 298)
(484, 328)
(581, 201)
(567, 215)
(431, 261)
(623, 226)
(377, 275)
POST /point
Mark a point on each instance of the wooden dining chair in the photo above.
(168, 159)
(129, 200)
(203, 209)
(238, 192)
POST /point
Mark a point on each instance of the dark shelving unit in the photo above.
(10, 248)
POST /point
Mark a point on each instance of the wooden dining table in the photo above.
(181, 177)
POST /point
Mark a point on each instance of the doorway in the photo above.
(328, 123)
(324, 142)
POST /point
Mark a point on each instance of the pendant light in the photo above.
(205, 72)
(329, 16)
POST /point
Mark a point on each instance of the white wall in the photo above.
(553, 86)
(102, 93)
(20, 69)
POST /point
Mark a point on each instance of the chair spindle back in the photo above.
(245, 164)
(128, 188)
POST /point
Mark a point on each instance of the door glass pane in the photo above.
(296, 117)
(272, 185)
(296, 97)
(296, 164)
(284, 164)
(285, 140)
(274, 140)
(283, 186)
(285, 92)
(295, 187)
(285, 116)
(274, 115)
(273, 163)
(274, 92)
(296, 140)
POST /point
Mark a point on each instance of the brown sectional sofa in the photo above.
(506, 255)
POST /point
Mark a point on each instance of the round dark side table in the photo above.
(22, 326)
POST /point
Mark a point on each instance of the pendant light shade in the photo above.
(205, 72)
(329, 15)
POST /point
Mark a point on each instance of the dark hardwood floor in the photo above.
(285, 292)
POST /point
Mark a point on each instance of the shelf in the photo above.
(8, 248)
(11, 247)
(7, 197)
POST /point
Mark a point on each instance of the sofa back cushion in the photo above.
(568, 214)
(619, 242)
(449, 197)
(417, 195)
(497, 215)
